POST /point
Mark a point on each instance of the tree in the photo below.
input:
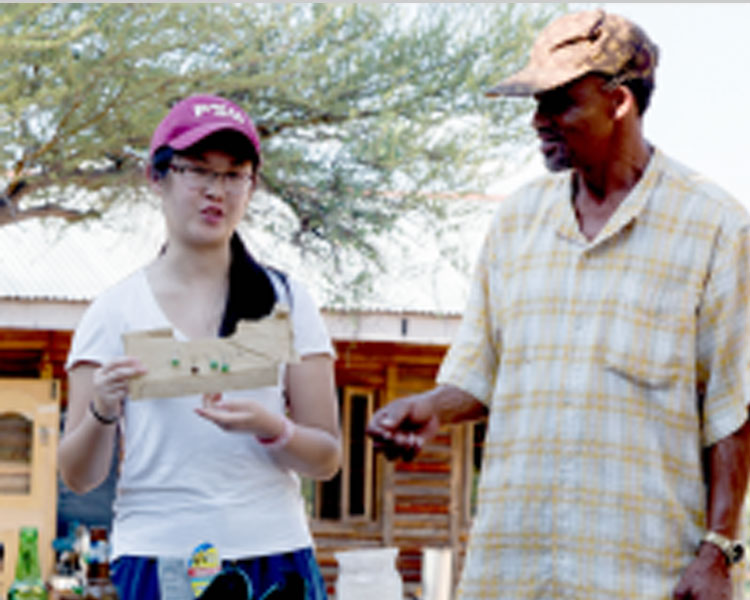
(366, 112)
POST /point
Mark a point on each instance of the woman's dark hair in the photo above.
(252, 294)
(160, 162)
(227, 140)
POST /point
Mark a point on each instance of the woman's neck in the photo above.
(191, 288)
(190, 265)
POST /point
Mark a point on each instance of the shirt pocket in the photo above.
(649, 341)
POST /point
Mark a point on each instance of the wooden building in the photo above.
(372, 502)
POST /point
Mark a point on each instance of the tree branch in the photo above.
(51, 209)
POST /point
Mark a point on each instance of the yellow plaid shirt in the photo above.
(589, 356)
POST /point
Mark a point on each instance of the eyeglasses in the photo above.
(200, 178)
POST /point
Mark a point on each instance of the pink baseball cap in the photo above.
(196, 117)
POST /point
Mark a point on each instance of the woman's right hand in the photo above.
(111, 383)
(86, 446)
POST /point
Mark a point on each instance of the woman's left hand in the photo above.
(314, 447)
(241, 415)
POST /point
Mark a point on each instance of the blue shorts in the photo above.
(292, 575)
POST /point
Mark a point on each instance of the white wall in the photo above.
(424, 328)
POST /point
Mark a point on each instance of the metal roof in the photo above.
(43, 259)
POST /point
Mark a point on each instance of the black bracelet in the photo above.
(100, 417)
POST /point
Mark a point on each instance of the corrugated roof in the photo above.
(46, 260)
(392, 312)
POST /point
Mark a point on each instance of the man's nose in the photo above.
(539, 119)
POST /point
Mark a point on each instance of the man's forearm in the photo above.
(728, 463)
(453, 405)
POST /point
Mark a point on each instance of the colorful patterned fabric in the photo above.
(607, 366)
(291, 575)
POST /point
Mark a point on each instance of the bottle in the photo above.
(98, 585)
(66, 583)
(28, 584)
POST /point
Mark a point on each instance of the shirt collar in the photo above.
(630, 208)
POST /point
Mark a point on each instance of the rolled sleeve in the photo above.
(472, 360)
(310, 333)
(723, 335)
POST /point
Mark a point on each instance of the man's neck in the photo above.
(599, 191)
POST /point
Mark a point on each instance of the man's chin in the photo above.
(557, 162)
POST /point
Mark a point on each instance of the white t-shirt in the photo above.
(183, 480)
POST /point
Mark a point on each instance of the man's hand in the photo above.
(706, 578)
(401, 428)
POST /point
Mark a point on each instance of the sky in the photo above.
(700, 111)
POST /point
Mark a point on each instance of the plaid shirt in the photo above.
(590, 356)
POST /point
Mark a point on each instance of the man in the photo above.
(605, 338)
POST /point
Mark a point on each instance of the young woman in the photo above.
(219, 468)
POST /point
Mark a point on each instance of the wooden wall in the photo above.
(35, 353)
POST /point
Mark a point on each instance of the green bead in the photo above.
(175, 362)
(225, 368)
(214, 365)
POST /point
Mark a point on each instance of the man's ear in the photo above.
(624, 102)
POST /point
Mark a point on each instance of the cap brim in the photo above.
(195, 135)
(530, 81)
(506, 88)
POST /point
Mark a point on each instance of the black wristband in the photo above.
(100, 417)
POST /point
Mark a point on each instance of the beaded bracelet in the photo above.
(100, 417)
(280, 440)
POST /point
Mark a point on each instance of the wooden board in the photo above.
(250, 358)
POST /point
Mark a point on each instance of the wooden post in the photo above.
(457, 485)
(46, 370)
(389, 500)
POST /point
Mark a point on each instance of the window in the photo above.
(16, 433)
(21, 362)
(350, 494)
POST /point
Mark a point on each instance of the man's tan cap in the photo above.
(580, 43)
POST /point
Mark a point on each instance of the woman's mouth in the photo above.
(212, 214)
